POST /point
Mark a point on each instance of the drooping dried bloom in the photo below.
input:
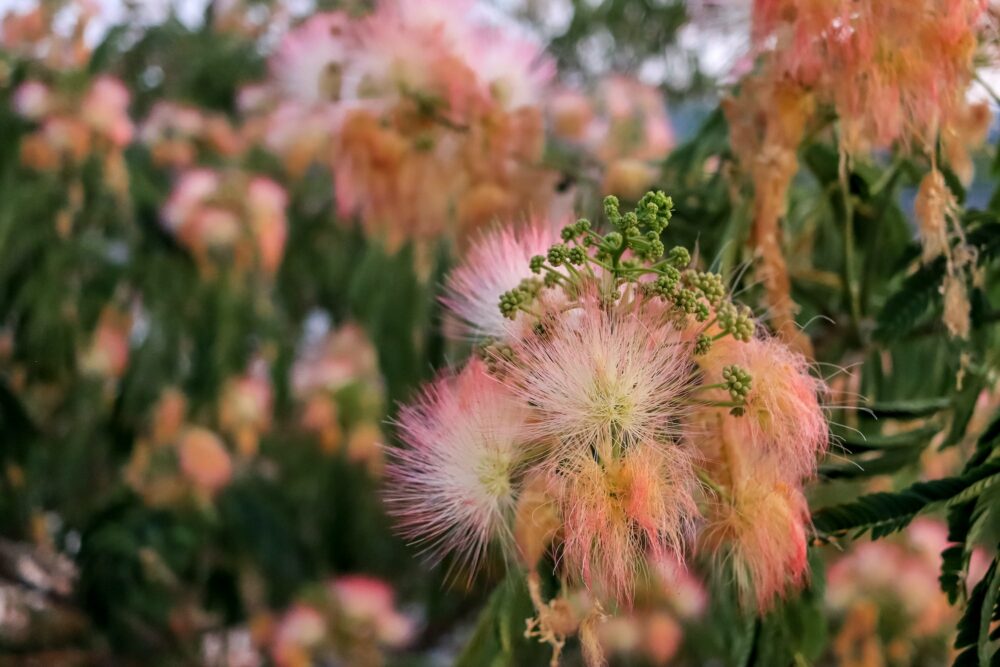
(453, 488)
(934, 207)
(956, 306)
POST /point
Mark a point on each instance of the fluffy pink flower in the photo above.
(371, 601)
(453, 488)
(302, 628)
(496, 262)
(757, 529)
(204, 459)
(192, 189)
(783, 417)
(619, 512)
(245, 408)
(105, 109)
(605, 380)
(514, 69)
(32, 100)
(309, 63)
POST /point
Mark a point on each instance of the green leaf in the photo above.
(909, 409)
(498, 638)
(886, 513)
(973, 627)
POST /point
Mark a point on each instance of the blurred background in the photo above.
(217, 283)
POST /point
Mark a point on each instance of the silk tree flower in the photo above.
(32, 100)
(229, 214)
(177, 134)
(783, 418)
(74, 126)
(245, 408)
(885, 596)
(495, 263)
(107, 355)
(619, 512)
(642, 414)
(370, 603)
(755, 529)
(603, 381)
(300, 631)
(309, 63)
(105, 109)
(341, 366)
(453, 488)
(623, 125)
(431, 123)
(204, 460)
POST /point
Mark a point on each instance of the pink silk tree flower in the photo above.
(452, 488)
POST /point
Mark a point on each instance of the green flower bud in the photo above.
(679, 257)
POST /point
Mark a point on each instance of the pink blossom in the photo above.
(604, 379)
(452, 489)
(204, 459)
(32, 100)
(105, 108)
(309, 63)
(372, 601)
(496, 262)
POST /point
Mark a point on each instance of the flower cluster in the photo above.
(229, 219)
(175, 460)
(622, 409)
(177, 135)
(72, 127)
(894, 71)
(337, 384)
(886, 601)
(430, 122)
(353, 621)
(623, 126)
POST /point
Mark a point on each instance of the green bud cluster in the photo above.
(737, 322)
(738, 384)
(702, 344)
(632, 252)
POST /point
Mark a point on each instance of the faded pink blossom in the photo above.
(32, 100)
(370, 601)
(105, 108)
(204, 460)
